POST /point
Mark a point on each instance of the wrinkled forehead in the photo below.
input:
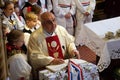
(32, 0)
(47, 16)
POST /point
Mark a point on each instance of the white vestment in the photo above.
(37, 47)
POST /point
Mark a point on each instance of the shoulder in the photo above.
(37, 33)
(59, 27)
(61, 30)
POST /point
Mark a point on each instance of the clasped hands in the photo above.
(86, 13)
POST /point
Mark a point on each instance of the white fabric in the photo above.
(60, 13)
(27, 35)
(44, 9)
(20, 24)
(26, 39)
(90, 72)
(16, 22)
(19, 67)
(103, 26)
(38, 53)
(90, 39)
(96, 44)
(80, 11)
(113, 47)
(25, 8)
(92, 35)
(21, 3)
(22, 20)
(49, 5)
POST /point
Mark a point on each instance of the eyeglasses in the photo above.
(51, 21)
(20, 41)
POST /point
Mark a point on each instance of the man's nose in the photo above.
(53, 22)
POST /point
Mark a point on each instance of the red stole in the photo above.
(54, 47)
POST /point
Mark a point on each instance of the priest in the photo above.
(50, 44)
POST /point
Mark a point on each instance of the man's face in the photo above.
(49, 24)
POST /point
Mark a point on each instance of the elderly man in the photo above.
(50, 44)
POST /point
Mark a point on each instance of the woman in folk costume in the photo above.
(28, 6)
(63, 10)
(9, 19)
(84, 14)
(19, 69)
(52, 44)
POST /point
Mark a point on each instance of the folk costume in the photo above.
(83, 6)
(11, 22)
(27, 31)
(60, 9)
(27, 8)
(17, 62)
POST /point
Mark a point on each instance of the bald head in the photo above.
(48, 22)
(32, 1)
(46, 16)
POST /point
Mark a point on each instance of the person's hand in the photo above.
(75, 53)
(68, 15)
(86, 13)
(57, 61)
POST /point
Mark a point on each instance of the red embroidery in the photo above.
(54, 47)
(29, 9)
(11, 47)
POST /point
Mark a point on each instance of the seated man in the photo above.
(50, 44)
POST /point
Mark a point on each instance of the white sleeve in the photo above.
(19, 23)
(57, 9)
(19, 67)
(73, 7)
(92, 5)
(79, 6)
(26, 39)
(49, 5)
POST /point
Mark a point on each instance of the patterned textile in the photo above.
(54, 47)
(74, 71)
(89, 70)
